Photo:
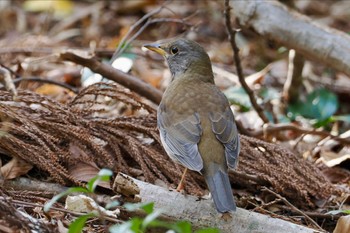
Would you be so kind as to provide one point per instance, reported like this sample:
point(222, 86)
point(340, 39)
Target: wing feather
point(224, 127)
point(180, 139)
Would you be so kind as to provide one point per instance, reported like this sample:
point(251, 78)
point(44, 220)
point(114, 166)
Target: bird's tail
point(221, 191)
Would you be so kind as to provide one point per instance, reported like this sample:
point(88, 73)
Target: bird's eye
point(174, 50)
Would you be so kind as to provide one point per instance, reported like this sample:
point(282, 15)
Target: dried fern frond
point(41, 131)
point(111, 127)
point(17, 220)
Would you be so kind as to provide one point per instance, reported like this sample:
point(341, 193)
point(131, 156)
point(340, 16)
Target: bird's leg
point(181, 185)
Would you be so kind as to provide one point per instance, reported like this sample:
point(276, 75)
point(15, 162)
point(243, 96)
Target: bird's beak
point(156, 48)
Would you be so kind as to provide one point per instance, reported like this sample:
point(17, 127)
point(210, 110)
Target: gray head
point(182, 54)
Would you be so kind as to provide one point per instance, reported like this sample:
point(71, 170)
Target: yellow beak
point(156, 48)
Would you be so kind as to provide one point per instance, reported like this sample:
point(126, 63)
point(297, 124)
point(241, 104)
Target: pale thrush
point(196, 124)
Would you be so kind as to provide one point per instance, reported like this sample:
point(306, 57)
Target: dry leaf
point(15, 168)
point(54, 91)
point(332, 159)
point(343, 225)
point(61, 8)
point(85, 204)
point(84, 171)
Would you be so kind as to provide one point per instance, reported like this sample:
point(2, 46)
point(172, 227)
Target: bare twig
point(132, 28)
point(134, 84)
point(46, 50)
point(312, 214)
point(294, 208)
point(72, 89)
point(148, 21)
point(271, 128)
point(124, 42)
point(231, 37)
point(74, 213)
point(263, 206)
point(268, 212)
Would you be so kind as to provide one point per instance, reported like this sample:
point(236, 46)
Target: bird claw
point(226, 216)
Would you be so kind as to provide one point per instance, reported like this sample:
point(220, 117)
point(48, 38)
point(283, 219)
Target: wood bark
point(274, 20)
point(202, 213)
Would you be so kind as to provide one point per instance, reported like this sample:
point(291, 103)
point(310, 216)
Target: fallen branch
point(274, 20)
point(203, 214)
point(107, 71)
point(186, 207)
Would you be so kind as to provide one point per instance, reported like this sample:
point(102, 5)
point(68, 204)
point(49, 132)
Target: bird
point(195, 121)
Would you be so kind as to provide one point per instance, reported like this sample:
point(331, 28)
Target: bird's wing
point(224, 127)
point(180, 139)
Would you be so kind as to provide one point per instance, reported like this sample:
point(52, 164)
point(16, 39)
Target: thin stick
point(287, 126)
point(293, 207)
point(263, 206)
point(142, 88)
point(74, 213)
point(313, 214)
point(72, 89)
point(231, 37)
point(119, 49)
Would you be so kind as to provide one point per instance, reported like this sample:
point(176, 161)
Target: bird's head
point(183, 56)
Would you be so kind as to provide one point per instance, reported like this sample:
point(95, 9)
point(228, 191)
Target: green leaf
point(79, 223)
point(346, 211)
point(237, 95)
point(127, 227)
point(103, 175)
point(182, 227)
point(323, 103)
point(269, 94)
point(335, 212)
point(321, 123)
point(159, 223)
point(49, 204)
point(150, 218)
point(320, 104)
point(112, 204)
point(147, 207)
point(208, 230)
point(345, 118)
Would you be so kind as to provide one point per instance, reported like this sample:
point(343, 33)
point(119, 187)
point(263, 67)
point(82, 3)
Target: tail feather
point(221, 191)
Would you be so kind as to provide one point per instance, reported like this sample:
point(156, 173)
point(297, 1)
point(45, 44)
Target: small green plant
point(135, 224)
point(138, 225)
point(78, 224)
point(335, 212)
point(320, 106)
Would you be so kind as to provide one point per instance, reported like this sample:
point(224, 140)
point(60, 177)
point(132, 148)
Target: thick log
point(274, 20)
point(202, 213)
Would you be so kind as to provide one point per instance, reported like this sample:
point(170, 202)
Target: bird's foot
point(181, 187)
point(226, 216)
